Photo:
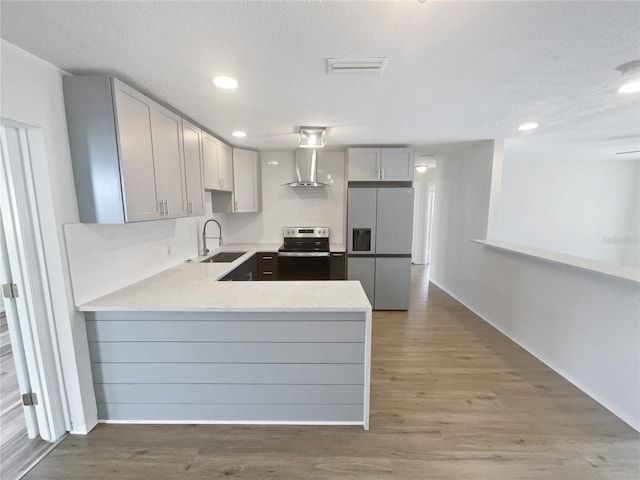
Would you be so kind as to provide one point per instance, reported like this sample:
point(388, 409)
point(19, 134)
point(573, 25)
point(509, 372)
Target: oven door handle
point(304, 254)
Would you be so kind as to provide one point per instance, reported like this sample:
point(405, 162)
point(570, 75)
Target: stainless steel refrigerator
point(379, 231)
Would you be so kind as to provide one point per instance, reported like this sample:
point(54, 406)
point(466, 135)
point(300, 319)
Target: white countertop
point(195, 287)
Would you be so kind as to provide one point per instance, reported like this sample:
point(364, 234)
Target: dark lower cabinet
point(264, 267)
point(267, 266)
point(246, 272)
point(338, 266)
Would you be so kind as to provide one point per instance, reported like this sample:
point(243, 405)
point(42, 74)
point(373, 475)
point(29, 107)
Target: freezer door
point(363, 270)
point(394, 229)
point(392, 283)
point(361, 220)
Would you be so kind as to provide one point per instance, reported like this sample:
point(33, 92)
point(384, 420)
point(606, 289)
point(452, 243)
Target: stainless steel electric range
point(305, 255)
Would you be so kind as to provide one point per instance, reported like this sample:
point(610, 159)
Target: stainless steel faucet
point(205, 250)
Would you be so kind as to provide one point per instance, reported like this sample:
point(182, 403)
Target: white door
point(19, 357)
point(30, 313)
point(417, 244)
point(431, 198)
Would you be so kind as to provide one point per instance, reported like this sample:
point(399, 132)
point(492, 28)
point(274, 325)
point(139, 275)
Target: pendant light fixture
point(312, 137)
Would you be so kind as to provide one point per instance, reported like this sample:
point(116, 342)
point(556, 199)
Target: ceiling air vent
point(356, 66)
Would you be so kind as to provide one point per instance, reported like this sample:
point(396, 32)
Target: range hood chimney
point(305, 169)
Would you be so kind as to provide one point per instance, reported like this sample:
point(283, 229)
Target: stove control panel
point(316, 232)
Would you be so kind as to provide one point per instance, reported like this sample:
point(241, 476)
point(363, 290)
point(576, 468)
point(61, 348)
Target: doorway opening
point(423, 210)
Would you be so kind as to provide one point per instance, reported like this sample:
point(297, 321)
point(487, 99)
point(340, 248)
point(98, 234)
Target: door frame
point(28, 268)
point(15, 336)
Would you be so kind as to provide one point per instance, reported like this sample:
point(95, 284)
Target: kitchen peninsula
point(183, 347)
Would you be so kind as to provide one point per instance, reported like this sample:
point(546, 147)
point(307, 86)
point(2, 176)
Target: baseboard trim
point(83, 428)
point(223, 422)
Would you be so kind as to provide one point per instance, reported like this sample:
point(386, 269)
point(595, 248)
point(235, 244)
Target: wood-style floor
point(17, 451)
point(451, 398)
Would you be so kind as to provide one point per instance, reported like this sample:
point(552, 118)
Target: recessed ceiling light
point(527, 126)
point(630, 87)
point(225, 82)
point(630, 77)
point(239, 134)
point(421, 168)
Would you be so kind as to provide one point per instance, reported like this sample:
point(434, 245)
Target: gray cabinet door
point(133, 117)
point(363, 270)
point(225, 167)
point(361, 214)
point(166, 129)
point(246, 181)
point(210, 161)
point(193, 171)
point(392, 283)
point(364, 164)
point(396, 164)
point(395, 221)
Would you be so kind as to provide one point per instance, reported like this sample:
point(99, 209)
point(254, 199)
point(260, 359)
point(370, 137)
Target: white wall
point(32, 94)
point(284, 206)
point(582, 324)
point(104, 258)
point(97, 258)
point(583, 207)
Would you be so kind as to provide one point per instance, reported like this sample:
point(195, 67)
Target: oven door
point(304, 265)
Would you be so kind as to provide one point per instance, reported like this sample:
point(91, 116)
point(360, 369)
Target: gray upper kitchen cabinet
point(225, 166)
point(133, 134)
point(168, 162)
point(246, 181)
point(396, 164)
point(126, 152)
point(193, 169)
point(364, 164)
point(217, 164)
point(210, 161)
point(373, 164)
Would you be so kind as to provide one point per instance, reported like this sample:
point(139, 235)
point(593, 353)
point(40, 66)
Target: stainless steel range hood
point(305, 169)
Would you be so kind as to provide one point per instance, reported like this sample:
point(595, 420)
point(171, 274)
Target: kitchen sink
point(223, 257)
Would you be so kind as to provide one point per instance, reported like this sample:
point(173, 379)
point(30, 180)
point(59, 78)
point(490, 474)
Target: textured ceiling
point(457, 71)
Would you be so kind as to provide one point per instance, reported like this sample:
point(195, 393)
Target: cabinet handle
point(189, 207)
point(379, 174)
point(336, 254)
point(382, 174)
point(267, 258)
point(235, 206)
point(166, 207)
point(161, 208)
point(267, 273)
